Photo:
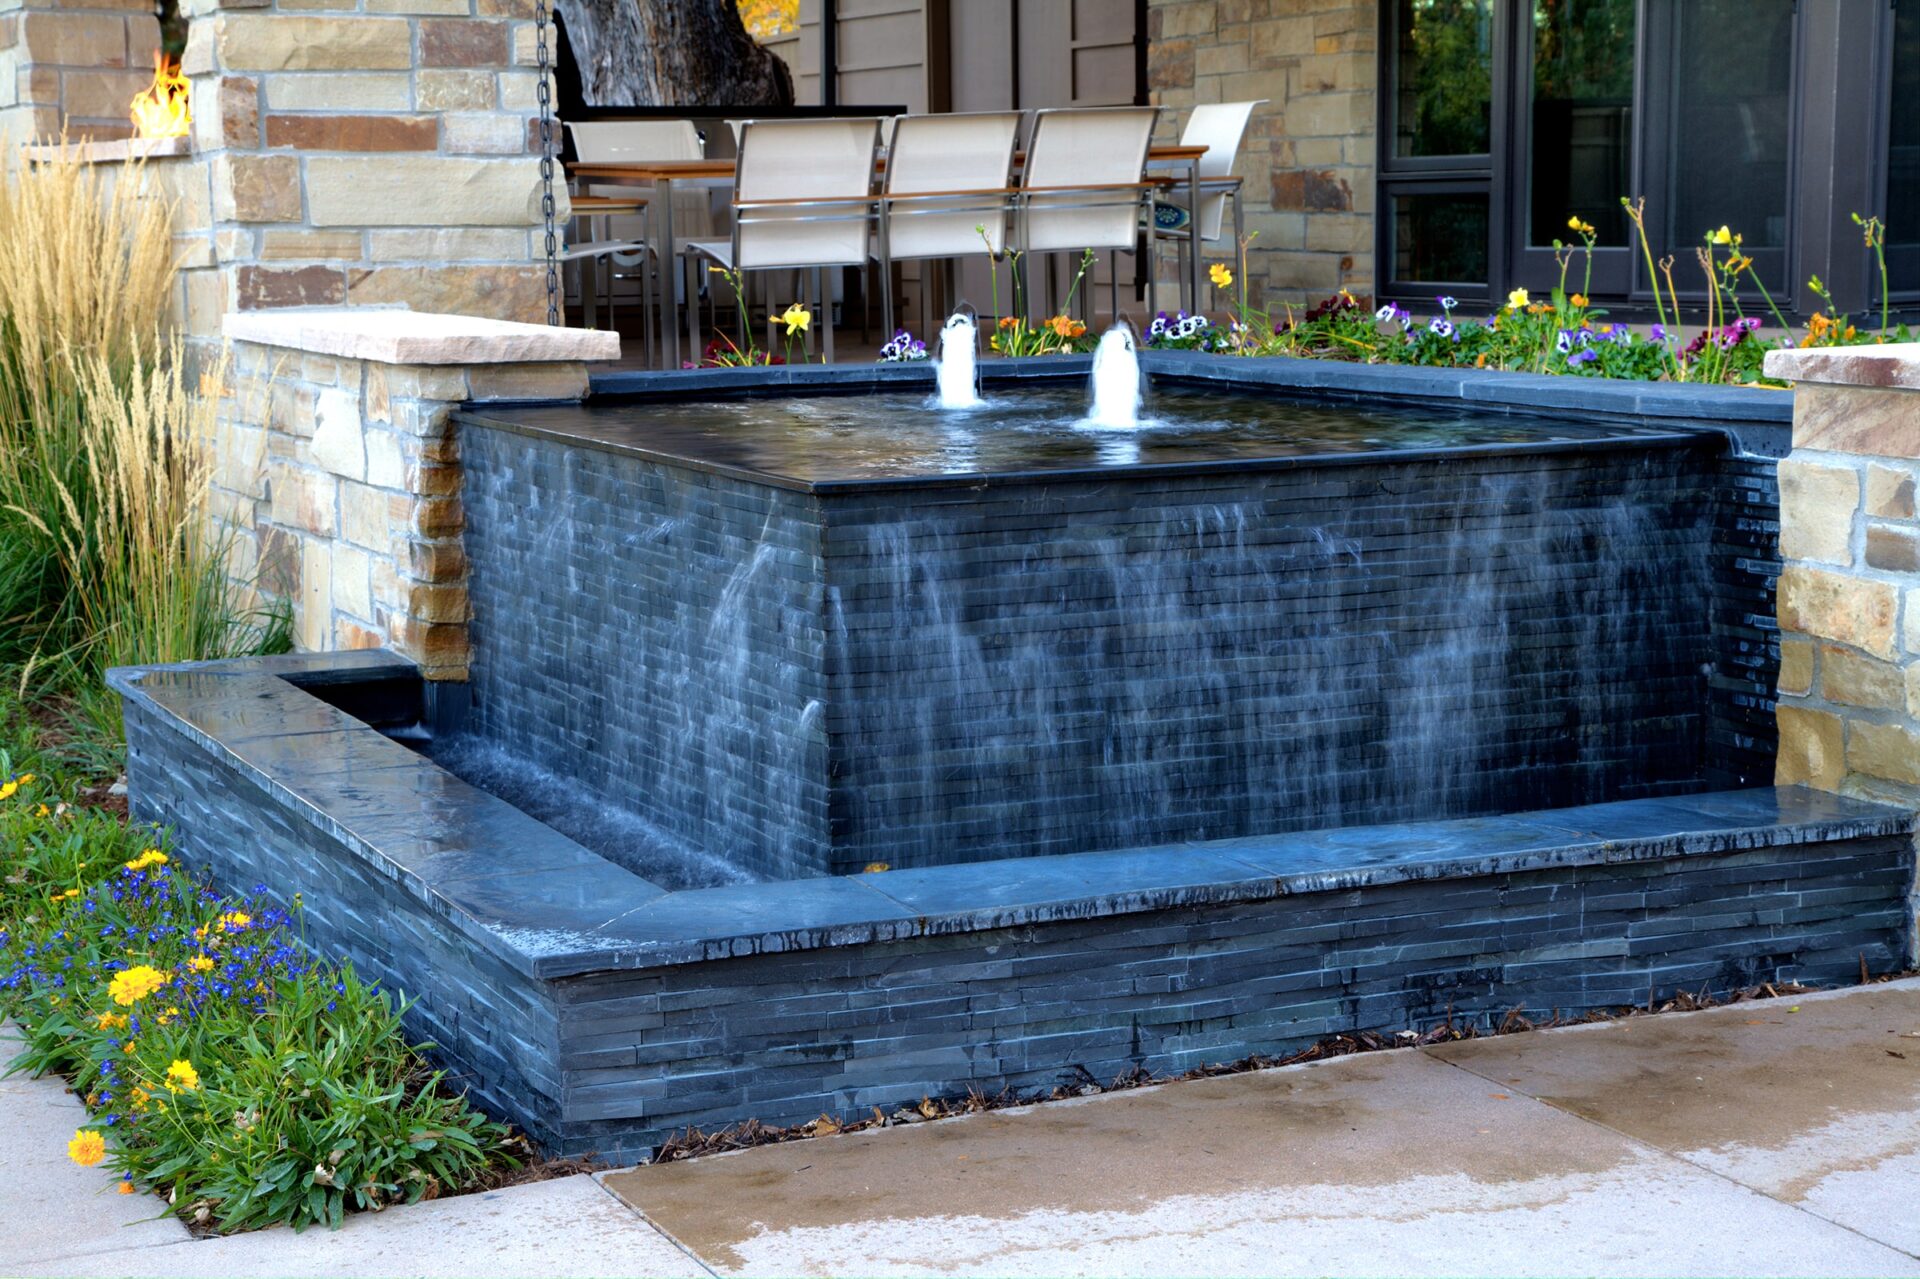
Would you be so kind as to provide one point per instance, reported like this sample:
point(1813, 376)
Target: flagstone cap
point(418, 337)
point(1895, 366)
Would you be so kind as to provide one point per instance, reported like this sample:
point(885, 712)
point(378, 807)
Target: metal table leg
point(669, 275)
point(1193, 230)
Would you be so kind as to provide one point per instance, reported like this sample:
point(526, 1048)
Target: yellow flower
point(200, 964)
point(1517, 299)
point(139, 1098)
point(71, 892)
point(1722, 236)
point(1581, 228)
point(152, 857)
point(1578, 299)
point(109, 1021)
point(235, 921)
point(182, 1077)
point(1220, 275)
point(132, 985)
point(87, 1148)
point(797, 319)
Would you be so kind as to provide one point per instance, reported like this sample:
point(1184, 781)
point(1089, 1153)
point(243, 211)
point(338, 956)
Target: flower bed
point(228, 1068)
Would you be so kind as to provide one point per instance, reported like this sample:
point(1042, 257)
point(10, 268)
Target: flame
point(160, 110)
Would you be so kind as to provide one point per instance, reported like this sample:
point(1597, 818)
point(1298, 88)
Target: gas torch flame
point(160, 110)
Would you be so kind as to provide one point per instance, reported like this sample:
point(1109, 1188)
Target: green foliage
point(228, 1068)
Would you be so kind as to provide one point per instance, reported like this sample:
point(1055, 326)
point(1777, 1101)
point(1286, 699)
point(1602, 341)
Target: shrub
point(228, 1068)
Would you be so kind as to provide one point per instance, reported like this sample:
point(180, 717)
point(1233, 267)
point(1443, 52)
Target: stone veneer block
point(1852, 570)
point(415, 337)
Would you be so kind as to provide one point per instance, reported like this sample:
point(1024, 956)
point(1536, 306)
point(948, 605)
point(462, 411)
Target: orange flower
point(1008, 321)
point(1578, 299)
point(1061, 325)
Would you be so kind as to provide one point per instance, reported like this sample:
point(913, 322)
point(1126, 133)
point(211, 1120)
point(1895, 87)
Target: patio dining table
point(660, 175)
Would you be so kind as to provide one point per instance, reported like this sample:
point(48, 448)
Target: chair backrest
point(1085, 147)
point(623, 141)
point(964, 151)
point(828, 163)
point(1219, 127)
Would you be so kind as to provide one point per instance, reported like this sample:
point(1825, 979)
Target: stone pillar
point(74, 65)
point(379, 154)
point(1849, 593)
point(339, 462)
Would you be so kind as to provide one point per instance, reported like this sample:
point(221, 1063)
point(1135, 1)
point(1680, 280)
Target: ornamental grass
point(228, 1069)
point(108, 550)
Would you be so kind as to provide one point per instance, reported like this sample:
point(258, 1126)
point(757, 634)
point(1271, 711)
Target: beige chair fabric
point(961, 152)
point(803, 198)
point(1220, 127)
point(1100, 155)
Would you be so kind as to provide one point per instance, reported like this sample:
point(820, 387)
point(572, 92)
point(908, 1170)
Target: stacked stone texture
point(368, 153)
point(74, 65)
point(340, 479)
point(1849, 596)
point(1308, 161)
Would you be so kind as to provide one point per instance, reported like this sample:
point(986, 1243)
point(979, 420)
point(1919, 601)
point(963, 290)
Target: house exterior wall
point(1308, 162)
point(74, 65)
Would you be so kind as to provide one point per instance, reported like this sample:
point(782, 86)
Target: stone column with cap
point(1849, 593)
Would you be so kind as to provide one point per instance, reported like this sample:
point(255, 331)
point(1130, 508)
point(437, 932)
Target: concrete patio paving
point(1780, 1137)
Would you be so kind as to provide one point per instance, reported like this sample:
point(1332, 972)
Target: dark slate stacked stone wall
point(654, 633)
point(920, 676)
point(612, 1059)
point(1741, 736)
point(1077, 665)
point(785, 1038)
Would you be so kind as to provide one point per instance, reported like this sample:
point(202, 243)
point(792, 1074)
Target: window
point(1437, 169)
point(1500, 120)
point(1903, 154)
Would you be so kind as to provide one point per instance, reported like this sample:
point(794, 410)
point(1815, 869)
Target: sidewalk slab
point(561, 1228)
point(49, 1205)
point(1814, 1101)
point(1383, 1163)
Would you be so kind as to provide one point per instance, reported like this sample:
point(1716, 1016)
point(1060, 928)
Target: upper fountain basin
point(889, 436)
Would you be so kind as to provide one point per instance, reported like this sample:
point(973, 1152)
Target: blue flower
point(1564, 342)
point(1447, 303)
point(1442, 328)
point(1585, 356)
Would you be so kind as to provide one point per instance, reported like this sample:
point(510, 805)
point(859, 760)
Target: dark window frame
point(1839, 126)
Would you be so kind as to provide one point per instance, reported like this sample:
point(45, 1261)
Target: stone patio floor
point(1780, 1137)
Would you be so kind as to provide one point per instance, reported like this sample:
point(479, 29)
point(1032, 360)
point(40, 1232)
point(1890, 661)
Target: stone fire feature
point(337, 462)
point(1849, 596)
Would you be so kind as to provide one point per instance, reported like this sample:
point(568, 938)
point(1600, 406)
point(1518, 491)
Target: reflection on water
point(906, 434)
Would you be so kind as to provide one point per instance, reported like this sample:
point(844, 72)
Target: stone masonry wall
point(339, 477)
point(74, 65)
point(1308, 162)
point(368, 153)
point(1849, 593)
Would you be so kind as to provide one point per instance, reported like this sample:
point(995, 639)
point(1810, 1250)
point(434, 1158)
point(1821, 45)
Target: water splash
point(1116, 379)
point(956, 371)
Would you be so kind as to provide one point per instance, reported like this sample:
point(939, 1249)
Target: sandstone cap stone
point(418, 337)
point(1895, 365)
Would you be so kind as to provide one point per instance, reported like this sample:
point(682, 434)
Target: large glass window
point(1903, 152)
point(1443, 102)
point(1730, 85)
point(1580, 143)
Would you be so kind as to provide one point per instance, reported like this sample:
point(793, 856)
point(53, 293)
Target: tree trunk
point(670, 53)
